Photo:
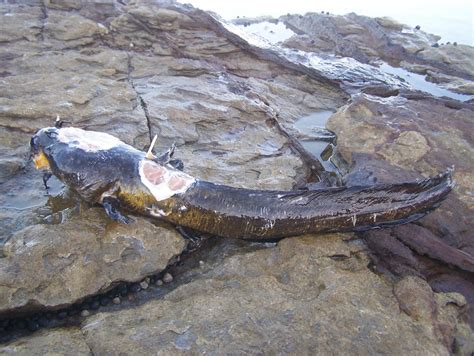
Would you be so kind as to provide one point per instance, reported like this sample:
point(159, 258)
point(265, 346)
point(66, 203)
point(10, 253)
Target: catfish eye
point(52, 134)
point(34, 143)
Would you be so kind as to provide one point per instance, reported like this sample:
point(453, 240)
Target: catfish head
point(89, 162)
point(100, 166)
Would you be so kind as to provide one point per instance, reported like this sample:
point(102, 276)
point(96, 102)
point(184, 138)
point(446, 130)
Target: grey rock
point(167, 278)
point(293, 298)
point(368, 40)
point(60, 342)
point(57, 265)
point(136, 69)
point(418, 136)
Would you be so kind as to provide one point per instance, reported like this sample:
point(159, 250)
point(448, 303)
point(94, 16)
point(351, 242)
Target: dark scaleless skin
point(235, 212)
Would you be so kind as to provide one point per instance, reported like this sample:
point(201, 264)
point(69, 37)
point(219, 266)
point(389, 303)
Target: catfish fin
point(111, 205)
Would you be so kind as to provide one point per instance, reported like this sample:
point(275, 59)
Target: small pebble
point(104, 301)
point(159, 282)
point(143, 285)
point(201, 263)
point(417, 27)
point(455, 43)
point(116, 300)
point(85, 313)
point(167, 278)
point(131, 297)
point(147, 279)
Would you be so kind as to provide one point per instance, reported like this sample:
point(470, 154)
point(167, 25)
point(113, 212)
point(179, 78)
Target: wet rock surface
point(50, 266)
point(299, 296)
point(139, 69)
point(59, 342)
point(422, 136)
point(370, 40)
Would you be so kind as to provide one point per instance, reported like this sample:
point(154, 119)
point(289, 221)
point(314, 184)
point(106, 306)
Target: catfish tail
point(271, 214)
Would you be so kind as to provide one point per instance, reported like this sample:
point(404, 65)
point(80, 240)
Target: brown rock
point(420, 137)
point(59, 342)
point(367, 39)
point(379, 128)
point(291, 298)
point(67, 27)
point(18, 24)
point(63, 4)
point(409, 147)
point(176, 72)
point(57, 265)
point(416, 298)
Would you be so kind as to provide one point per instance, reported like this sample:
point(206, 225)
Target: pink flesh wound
point(154, 173)
point(176, 182)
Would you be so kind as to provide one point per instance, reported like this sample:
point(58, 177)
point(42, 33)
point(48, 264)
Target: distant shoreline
point(452, 21)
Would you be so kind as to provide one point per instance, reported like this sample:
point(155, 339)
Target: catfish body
point(103, 169)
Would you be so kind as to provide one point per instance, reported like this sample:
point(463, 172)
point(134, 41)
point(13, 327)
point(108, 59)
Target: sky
point(453, 20)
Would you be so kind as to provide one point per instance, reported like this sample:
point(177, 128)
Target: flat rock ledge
point(51, 266)
point(307, 295)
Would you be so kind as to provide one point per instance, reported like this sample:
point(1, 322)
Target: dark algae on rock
point(245, 115)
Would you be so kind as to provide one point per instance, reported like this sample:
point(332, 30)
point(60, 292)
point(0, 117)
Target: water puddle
point(272, 32)
point(352, 73)
point(418, 82)
point(316, 139)
point(313, 122)
point(346, 70)
point(24, 201)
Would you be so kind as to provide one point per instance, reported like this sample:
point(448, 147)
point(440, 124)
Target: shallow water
point(313, 121)
point(418, 82)
point(348, 70)
point(273, 33)
point(317, 148)
point(452, 20)
point(24, 202)
point(315, 139)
